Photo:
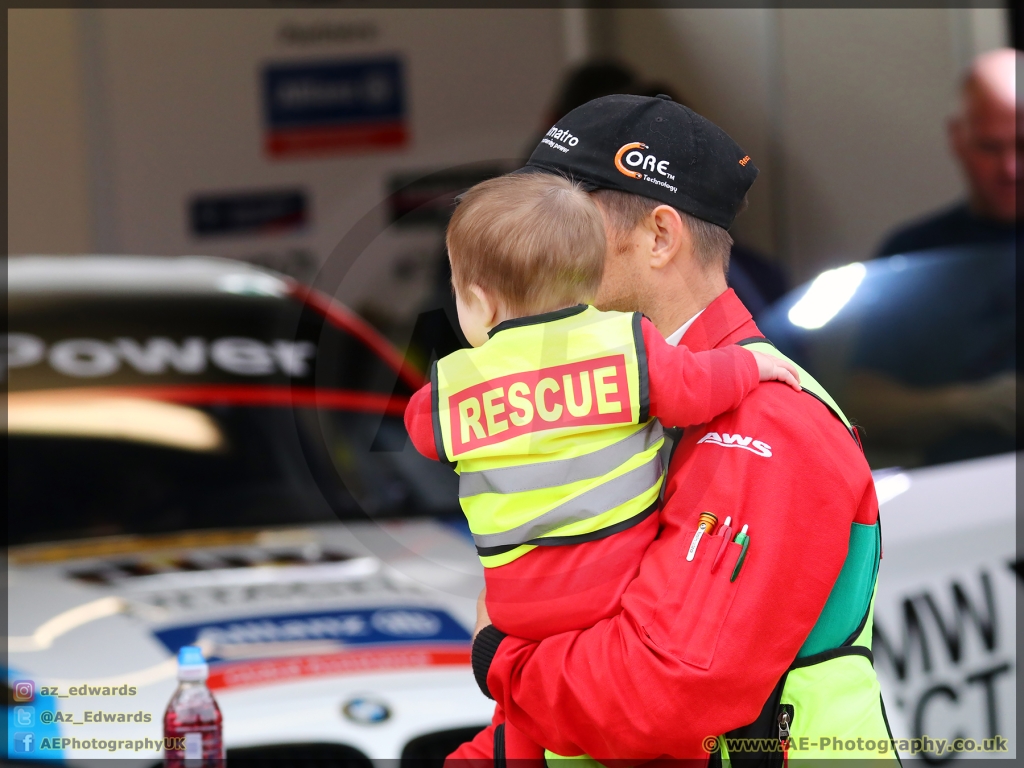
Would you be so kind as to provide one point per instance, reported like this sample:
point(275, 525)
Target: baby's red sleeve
point(419, 424)
point(688, 388)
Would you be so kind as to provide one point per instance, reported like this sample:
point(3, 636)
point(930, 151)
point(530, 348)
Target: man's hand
point(991, 403)
point(482, 619)
point(772, 368)
point(904, 415)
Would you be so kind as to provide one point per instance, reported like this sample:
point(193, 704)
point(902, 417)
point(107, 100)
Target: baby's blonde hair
point(534, 240)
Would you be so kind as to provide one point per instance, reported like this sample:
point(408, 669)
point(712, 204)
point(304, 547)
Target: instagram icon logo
point(24, 690)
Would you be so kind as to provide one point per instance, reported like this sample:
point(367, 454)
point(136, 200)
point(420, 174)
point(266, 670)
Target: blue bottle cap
point(190, 655)
point(191, 664)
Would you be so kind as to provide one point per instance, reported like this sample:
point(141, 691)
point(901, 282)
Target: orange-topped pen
point(705, 525)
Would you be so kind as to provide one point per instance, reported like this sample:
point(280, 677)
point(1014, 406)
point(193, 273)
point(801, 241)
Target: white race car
point(201, 452)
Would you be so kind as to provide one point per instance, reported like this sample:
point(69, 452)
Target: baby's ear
point(488, 305)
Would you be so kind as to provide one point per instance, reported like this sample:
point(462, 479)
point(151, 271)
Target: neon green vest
point(547, 425)
point(828, 703)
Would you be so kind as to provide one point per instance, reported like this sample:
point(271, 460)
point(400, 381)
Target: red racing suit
point(560, 588)
point(621, 689)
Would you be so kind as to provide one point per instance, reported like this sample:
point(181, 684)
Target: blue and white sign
point(327, 107)
point(275, 635)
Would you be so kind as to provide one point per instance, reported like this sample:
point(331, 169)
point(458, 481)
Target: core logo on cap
point(632, 156)
point(635, 156)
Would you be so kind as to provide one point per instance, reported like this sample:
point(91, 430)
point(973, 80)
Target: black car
point(918, 349)
point(149, 395)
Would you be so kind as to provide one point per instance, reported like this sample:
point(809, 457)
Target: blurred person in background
point(987, 139)
point(898, 399)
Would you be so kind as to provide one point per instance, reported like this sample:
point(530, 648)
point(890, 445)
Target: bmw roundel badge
point(366, 711)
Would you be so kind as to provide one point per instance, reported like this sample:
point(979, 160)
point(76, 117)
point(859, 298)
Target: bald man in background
point(986, 138)
point(922, 409)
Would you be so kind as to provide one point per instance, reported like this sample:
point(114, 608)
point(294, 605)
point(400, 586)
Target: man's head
point(658, 255)
point(521, 245)
point(986, 133)
point(669, 184)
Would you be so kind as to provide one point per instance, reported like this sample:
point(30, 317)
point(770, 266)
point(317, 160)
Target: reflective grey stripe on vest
point(596, 501)
point(551, 474)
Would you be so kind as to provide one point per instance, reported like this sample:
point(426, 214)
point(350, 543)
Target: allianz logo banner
point(324, 631)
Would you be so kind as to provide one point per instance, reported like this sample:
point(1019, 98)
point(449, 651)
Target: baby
point(554, 419)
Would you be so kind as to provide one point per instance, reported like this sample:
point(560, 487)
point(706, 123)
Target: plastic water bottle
point(193, 716)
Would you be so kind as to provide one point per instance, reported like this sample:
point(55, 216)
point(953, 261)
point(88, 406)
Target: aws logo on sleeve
point(737, 441)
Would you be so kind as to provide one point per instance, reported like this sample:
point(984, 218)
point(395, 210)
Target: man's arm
point(685, 660)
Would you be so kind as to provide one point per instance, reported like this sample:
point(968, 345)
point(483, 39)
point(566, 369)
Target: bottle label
point(193, 746)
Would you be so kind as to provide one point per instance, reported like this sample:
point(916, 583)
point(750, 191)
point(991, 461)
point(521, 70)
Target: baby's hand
point(773, 368)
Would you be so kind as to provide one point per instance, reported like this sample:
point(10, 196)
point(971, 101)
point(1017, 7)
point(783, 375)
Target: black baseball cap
point(649, 146)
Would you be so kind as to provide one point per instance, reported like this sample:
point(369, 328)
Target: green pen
point(744, 541)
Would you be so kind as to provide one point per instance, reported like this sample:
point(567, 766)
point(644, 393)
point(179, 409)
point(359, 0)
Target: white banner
point(945, 616)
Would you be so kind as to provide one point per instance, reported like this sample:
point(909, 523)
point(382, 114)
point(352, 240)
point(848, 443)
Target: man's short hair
point(536, 241)
point(711, 243)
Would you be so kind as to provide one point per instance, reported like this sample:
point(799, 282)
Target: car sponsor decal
point(283, 595)
point(91, 358)
point(327, 630)
point(31, 554)
point(264, 649)
point(120, 570)
point(267, 671)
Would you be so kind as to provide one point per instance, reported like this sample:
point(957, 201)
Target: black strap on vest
point(766, 726)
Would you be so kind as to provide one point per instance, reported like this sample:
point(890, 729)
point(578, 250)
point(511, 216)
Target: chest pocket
point(696, 602)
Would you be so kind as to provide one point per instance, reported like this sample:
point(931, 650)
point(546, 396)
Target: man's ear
point(671, 236)
point(489, 308)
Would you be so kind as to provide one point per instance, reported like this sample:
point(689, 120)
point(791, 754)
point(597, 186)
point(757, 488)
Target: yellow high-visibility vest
point(547, 425)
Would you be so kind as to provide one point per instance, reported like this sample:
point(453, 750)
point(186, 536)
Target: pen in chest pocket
point(706, 523)
point(744, 541)
point(723, 545)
